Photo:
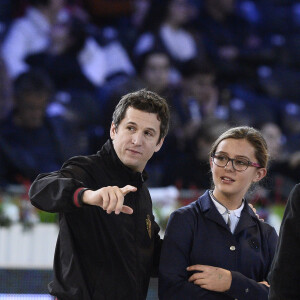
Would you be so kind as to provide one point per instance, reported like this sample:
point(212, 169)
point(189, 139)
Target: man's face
point(136, 138)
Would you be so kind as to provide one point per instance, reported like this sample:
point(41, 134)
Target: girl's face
point(227, 181)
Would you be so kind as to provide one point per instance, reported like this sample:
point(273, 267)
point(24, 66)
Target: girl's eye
point(241, 162)
point(221, 157)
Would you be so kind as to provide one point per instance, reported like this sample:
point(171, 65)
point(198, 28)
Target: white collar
point(223, 210)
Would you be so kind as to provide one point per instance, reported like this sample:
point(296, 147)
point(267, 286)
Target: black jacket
point(284, 275)
point(99, 255)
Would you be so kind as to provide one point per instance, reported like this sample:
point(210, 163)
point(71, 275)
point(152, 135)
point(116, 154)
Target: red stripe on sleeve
point(75, 197)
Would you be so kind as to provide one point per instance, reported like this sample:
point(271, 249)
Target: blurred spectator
point(73, 59)
point(154, 69)
point(274, 138)
point(117, 60)
point(234, 47)
point(281, 82)
point(79, 57)
point(29, 34)
point(140, 9)
point(290, 124)
point(31, 142)
point(5, 16)
point(104, 12)
point(165, 28)
point(197, 99)
point(191, 171)
point(284, 169)
point(5, 91)
point(248, 107)
point(128, 23)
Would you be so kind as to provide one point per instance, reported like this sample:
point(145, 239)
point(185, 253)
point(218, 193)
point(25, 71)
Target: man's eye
point(130, 128)
point(148, 133)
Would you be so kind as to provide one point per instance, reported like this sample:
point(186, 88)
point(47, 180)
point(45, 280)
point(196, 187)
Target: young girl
point(216, 247)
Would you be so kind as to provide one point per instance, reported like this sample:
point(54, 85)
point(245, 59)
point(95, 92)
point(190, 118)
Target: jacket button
point(232, 248)
point(246, 290)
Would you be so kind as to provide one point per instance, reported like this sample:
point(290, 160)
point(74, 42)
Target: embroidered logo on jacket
point(148, 225)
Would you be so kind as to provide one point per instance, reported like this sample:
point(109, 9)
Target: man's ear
point(158, 146)
point(113, 130)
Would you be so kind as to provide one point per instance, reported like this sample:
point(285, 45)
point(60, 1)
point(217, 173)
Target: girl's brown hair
point(253, 136)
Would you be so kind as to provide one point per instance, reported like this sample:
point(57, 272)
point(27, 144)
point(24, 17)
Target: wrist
point(229, 280)
point(78, 196)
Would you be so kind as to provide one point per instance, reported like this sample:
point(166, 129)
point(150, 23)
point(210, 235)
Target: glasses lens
point(240, 164)
point(220, 160)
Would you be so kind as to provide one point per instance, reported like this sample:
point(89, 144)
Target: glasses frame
point(250, 163)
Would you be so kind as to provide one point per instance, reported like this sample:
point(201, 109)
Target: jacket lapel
point(210, 211)
point(247, 218)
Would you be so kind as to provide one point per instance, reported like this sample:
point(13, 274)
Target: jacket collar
point(112, 159)
point(247, 219)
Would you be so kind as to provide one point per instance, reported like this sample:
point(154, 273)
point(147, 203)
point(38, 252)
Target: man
point(108, 245)
point(284, 279)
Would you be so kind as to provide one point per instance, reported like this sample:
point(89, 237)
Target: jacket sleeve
point(53, 192)
point(283, 277)
point(173, 276)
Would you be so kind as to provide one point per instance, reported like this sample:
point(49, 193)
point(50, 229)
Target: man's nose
point(137, 138)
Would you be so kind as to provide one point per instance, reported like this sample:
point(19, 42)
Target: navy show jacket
point(198, 234)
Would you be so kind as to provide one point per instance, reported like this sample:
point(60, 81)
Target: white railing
point(32, 248)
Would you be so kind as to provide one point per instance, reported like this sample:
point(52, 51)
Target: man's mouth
point(134, 151)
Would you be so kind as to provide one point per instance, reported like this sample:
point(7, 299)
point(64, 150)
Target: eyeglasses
point(239, 164)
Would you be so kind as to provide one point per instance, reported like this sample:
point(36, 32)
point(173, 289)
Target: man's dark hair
point(32, 82)
point(146, 101)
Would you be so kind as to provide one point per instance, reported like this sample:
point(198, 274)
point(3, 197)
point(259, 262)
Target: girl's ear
point(211, 162)
point(260, 174)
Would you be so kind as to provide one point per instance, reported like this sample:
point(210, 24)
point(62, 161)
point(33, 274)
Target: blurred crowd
point(64, 64)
